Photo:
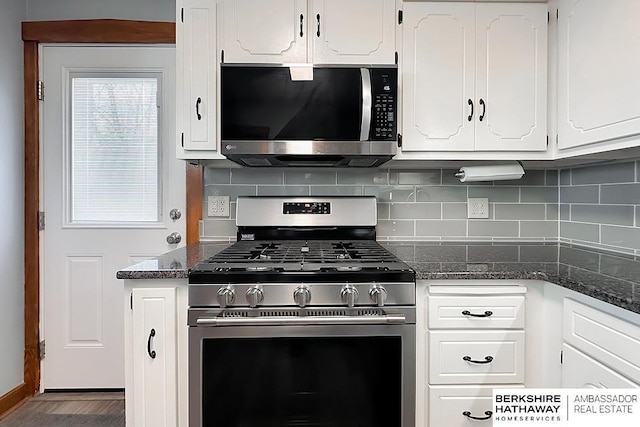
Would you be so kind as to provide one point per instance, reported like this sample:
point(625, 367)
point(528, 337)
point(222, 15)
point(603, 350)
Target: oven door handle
point(392, 319)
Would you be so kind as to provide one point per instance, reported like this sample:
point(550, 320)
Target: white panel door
point(511, 77)
point(155, 398)
point(353, 31)
point(581, 371)
point(109, 180)
point(273, 31)
point(598, 69)
point(438, 77)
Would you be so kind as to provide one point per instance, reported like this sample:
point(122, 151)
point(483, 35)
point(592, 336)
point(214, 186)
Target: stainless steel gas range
point(305, 321)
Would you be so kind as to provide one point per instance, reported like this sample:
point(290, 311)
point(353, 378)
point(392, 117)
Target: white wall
point(142, 10)
point(11, 195)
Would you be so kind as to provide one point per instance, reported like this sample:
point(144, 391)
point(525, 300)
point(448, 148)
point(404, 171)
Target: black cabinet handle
point(484, 109)
point(486, 314)
point(152, 353)
point(198, 102)
point(470, 102)
point(487, 413)
point(301, 25)
point(487, 359)
point(318, 18)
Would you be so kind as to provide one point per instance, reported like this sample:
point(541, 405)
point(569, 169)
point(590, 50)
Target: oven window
point(319, 382)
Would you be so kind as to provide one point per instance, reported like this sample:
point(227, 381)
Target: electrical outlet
point(478, 207)
point(218, 206)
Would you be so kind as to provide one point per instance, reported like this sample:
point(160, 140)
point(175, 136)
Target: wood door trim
point(85, 31)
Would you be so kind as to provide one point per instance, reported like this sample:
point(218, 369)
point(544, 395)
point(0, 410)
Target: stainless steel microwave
point(334, 116)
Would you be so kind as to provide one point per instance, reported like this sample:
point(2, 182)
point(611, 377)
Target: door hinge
point(557, 14)
point(222, 56)
point(399, 140)
point(396, 58)
point(547, 140)
point(41, 349)
point(131, 300)
point(182, 15)
point(40, 220)
point(400, 17)
point(548, 16)
point(40, 90)
point(182, 139)
point(556, 139)
point(561, 356)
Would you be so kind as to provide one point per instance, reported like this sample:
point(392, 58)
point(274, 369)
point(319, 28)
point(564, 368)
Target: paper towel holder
point(495, 172)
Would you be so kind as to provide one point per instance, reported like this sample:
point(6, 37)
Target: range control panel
point(385, 90)
point(318, 208)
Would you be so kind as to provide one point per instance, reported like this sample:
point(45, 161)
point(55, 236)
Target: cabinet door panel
point(511, 76)
point(581, 371)
point(265, 31)
point(598, 69)
point(197, 75)
point(154, 360)
point(353, 31)
point(438, 76)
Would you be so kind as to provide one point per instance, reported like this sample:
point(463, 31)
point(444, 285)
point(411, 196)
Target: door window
point(114, 149)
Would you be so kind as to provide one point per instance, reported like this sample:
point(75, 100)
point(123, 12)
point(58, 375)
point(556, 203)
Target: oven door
point(337, 375)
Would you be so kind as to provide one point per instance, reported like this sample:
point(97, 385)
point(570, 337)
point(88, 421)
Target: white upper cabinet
point(265, 31)
point(474, 77)
point(309, 31)
point(197, 78)
point(599, 65)
point(353, 31)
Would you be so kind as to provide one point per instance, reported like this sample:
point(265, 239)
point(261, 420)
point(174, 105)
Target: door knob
point(175, 214)
point(174, 238)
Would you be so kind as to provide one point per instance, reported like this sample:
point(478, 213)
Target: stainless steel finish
point(406, 331)
point(304, 147)
point(378, 295)
point(345, 211)
point(365, 125)
point(255, 296)
point(174, 238)
point(175, 214)
point(302, 295)
point(226, 296)
point(349, 295)
point(301, 321)
point(324, 294)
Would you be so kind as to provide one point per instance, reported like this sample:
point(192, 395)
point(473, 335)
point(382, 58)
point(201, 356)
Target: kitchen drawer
point(476, 312)
point(608, 339)
point(447, 405)
point(448, 349)
point(582, 371)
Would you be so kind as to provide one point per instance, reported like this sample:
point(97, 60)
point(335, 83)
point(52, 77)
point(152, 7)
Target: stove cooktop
point(302, 260)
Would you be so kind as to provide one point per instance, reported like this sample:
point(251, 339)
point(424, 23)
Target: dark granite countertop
point(608, 276)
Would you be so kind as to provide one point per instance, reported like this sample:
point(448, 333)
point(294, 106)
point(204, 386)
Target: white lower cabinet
point(461, 406)
point(471, 339)
point(155, 364)
point(599, 349)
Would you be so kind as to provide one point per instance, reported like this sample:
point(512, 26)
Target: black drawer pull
point(487, 359)
point(484, 109)
point(152, 353)
point(470, 116)
point(486, 314)
point(301, 25)
point(487, 413)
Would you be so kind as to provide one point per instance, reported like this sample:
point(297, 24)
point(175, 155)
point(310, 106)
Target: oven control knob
point(349, 295)
point(378, 295)
point(302, 295)
point(226, 296)
point(254, 296)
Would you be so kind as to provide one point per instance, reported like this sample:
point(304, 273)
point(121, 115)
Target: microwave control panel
point(384, 82)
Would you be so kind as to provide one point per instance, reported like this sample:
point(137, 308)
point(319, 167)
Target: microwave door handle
point(366, 104)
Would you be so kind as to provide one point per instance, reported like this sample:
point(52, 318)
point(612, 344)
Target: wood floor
point(98, 409)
